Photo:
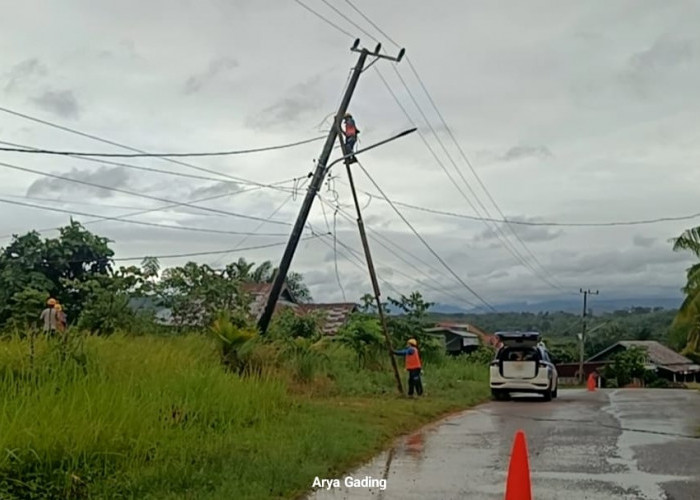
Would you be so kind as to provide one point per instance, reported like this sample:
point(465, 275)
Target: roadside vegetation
point(124, 407)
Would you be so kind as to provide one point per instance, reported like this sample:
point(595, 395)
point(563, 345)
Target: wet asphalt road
point(608, 444)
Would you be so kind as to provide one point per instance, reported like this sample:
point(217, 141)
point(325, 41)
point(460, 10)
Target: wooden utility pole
point(585, 293)
point(316, 183)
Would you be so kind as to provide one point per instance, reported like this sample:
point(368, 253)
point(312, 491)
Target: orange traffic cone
point(591, 382)
point(518, 485)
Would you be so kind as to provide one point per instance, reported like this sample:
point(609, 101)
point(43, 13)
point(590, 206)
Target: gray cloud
point(60, 102)
point(215, 189)
point(528, 234)
point(216, 67)
point(117, 177)
point(552, 125)
point(24, 71)
point(524, 152)
point(643, 241)
point(665, 54)
point(299, 100)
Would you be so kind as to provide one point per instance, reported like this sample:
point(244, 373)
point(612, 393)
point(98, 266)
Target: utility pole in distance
point(585, 293)
point(316, 182)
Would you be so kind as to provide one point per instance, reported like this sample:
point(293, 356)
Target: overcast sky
point(568, 111)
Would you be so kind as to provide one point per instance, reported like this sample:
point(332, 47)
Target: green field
point(157, 417)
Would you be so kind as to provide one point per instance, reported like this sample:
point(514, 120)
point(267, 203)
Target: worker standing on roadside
point(413, 365)
point(49, 317)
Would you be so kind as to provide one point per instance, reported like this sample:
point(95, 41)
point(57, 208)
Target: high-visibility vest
point(413, 360)
point(350, 127)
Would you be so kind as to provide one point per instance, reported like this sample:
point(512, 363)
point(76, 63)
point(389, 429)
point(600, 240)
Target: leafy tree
point(363, 334)
point(195, 293)
point(411, 323)
point(50, 265)
point(627, 365)
point(289, 324)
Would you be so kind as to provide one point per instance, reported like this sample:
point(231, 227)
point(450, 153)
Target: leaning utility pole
point(372, 273)
point(316, 182)
point(585, 293)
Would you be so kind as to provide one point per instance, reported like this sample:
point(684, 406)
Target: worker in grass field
point(49, 317)
point(61, 319)
point(413, 365)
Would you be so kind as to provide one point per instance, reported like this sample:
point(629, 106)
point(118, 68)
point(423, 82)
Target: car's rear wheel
point(548, 394)
point(499, 394)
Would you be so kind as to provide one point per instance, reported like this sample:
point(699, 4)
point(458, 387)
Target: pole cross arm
point(376, 53)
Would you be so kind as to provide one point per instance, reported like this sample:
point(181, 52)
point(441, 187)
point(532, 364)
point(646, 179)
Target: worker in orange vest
point(350, 134)
point(413, 365)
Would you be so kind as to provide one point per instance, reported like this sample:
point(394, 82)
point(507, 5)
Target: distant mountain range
point(572, 305)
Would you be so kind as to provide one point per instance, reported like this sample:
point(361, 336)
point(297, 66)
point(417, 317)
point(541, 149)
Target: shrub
point(234, 336)
point(482, 356)
point(363, 334)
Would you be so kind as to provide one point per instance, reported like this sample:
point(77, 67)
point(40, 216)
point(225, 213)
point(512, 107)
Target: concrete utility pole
point(585, 293)
point(316, 182)
point(372, 272)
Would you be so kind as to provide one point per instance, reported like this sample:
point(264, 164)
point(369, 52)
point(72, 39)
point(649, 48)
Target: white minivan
point(522, 364)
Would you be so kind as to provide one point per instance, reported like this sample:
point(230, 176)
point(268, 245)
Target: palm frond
point(688, 240)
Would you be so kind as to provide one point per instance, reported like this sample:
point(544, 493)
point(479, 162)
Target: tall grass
point(156, 417)
point(140, 404)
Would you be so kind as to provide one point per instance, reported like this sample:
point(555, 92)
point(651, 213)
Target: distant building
point(457, 340)
point(334, 315)
point(666, 362)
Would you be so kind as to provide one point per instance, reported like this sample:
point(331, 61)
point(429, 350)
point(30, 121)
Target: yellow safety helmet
point(412, 342)
point(51, 302)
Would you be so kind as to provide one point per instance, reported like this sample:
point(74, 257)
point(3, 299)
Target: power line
point(138, 167)
point(498, 231)
point(140, 195)
point(334, 231)
point(213, 252)
point(534, 223)
point(123, 146)
point(362, 30)
point(141, 223)
point(324, 19)
point(156, 209)
point(160, 155)
point(373, 25)
point(274, 212)
point(476, 176)
point(505, 240)
point(427, 245)
point(396, 252)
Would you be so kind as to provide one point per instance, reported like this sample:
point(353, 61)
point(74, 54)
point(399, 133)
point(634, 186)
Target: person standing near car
point(413, 366)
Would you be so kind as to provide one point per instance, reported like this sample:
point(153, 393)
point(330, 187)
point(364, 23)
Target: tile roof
point(658, 354)
point(336, 315)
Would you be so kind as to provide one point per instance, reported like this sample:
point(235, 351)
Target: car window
point(518, 354)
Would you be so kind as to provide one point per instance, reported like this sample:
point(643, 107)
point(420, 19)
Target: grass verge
point(159, 418)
